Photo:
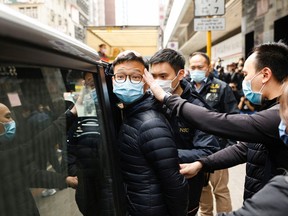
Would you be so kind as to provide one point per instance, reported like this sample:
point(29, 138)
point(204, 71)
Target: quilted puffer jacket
point(149, 162)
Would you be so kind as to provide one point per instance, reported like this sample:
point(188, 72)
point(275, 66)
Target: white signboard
point(209, 24)
point(209, 7)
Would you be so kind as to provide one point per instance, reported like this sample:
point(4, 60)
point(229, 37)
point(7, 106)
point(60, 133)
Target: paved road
point(60, 204)
point(236, 185)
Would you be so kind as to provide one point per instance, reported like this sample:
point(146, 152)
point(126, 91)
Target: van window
point(46, 149)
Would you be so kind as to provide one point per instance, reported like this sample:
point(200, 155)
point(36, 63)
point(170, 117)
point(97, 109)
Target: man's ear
point(266, 74)
point(181, 74)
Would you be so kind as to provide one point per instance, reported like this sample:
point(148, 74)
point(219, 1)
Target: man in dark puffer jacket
point(149, 158)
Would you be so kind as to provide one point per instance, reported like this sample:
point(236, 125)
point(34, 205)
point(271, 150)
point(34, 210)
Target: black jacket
point(219, 96)
point(19, 173)
point(260, 128)
point(84, 150)
point(149, 162)
point(83, 144)
point(192, 143)
point(271, 200)
point(260, 167)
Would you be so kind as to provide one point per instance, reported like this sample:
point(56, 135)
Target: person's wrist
point(167, 95)
point(199, 165)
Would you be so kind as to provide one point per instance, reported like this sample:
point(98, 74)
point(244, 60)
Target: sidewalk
point(236, 185)
point(62, 203)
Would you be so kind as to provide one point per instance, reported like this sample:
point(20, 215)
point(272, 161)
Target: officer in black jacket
point(167, 67)
point(221, 98)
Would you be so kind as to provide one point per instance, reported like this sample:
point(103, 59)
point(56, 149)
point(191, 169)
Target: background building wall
point(259, 18)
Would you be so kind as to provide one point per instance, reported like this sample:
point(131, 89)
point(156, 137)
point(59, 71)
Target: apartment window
point(59, 20)
point(52, 16)
point(29, 11)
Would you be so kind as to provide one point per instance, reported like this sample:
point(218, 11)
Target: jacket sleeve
point(259, 127)
point(225, 158)
point(203, 145)
point(45, 179)
point(159, 149)
point(270, 200)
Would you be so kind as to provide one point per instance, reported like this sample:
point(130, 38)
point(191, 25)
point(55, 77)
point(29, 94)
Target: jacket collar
point(146, 102)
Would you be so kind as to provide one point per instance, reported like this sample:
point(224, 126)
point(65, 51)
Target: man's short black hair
point(174, 58)
point(101, 45)
point(273, 55)
point(129, 55)
point(202, 54)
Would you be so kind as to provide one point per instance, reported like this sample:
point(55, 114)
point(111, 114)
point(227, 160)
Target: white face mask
point(166, 85)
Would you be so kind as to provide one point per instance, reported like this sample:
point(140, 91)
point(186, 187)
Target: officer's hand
point(189, 170)
point(72, 181)
point(157, 91)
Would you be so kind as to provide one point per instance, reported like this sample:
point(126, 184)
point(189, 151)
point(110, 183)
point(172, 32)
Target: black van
point(42, 74)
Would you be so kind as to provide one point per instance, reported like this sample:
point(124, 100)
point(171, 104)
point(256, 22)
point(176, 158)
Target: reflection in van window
point(52, 161)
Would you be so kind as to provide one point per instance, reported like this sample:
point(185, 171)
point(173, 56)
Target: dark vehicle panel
point(42, 74)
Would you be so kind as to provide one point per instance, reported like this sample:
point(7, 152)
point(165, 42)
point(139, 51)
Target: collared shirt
point(202, 85)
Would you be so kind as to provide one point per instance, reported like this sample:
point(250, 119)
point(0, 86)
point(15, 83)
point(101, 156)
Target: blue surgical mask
point(128, 92)
point(282, 132)
point(94, 95)
point(253, 97)
point(10, 131)
point(197, 75)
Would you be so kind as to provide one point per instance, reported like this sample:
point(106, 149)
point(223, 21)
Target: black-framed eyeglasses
point(134, 78)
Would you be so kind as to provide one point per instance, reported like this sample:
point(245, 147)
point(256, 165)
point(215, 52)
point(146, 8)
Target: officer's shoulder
point(218, 81)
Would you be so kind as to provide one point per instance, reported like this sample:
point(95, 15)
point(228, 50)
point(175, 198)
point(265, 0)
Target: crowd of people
point(257, 136)
point(233, 75)
point(263, 150)
point(179, 135)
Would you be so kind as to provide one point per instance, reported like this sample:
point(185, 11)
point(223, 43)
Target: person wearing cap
point(148, 155)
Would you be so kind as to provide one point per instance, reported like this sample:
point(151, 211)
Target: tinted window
point(46, 149)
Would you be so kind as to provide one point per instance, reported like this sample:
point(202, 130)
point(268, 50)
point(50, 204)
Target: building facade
point(67, 16)
point(247, 23)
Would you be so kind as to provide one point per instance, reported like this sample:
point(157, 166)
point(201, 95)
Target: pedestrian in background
point(102, 52)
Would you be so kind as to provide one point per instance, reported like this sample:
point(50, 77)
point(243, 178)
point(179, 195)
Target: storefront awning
point(143, 39)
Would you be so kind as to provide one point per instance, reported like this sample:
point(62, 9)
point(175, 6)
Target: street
point(63, 202)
